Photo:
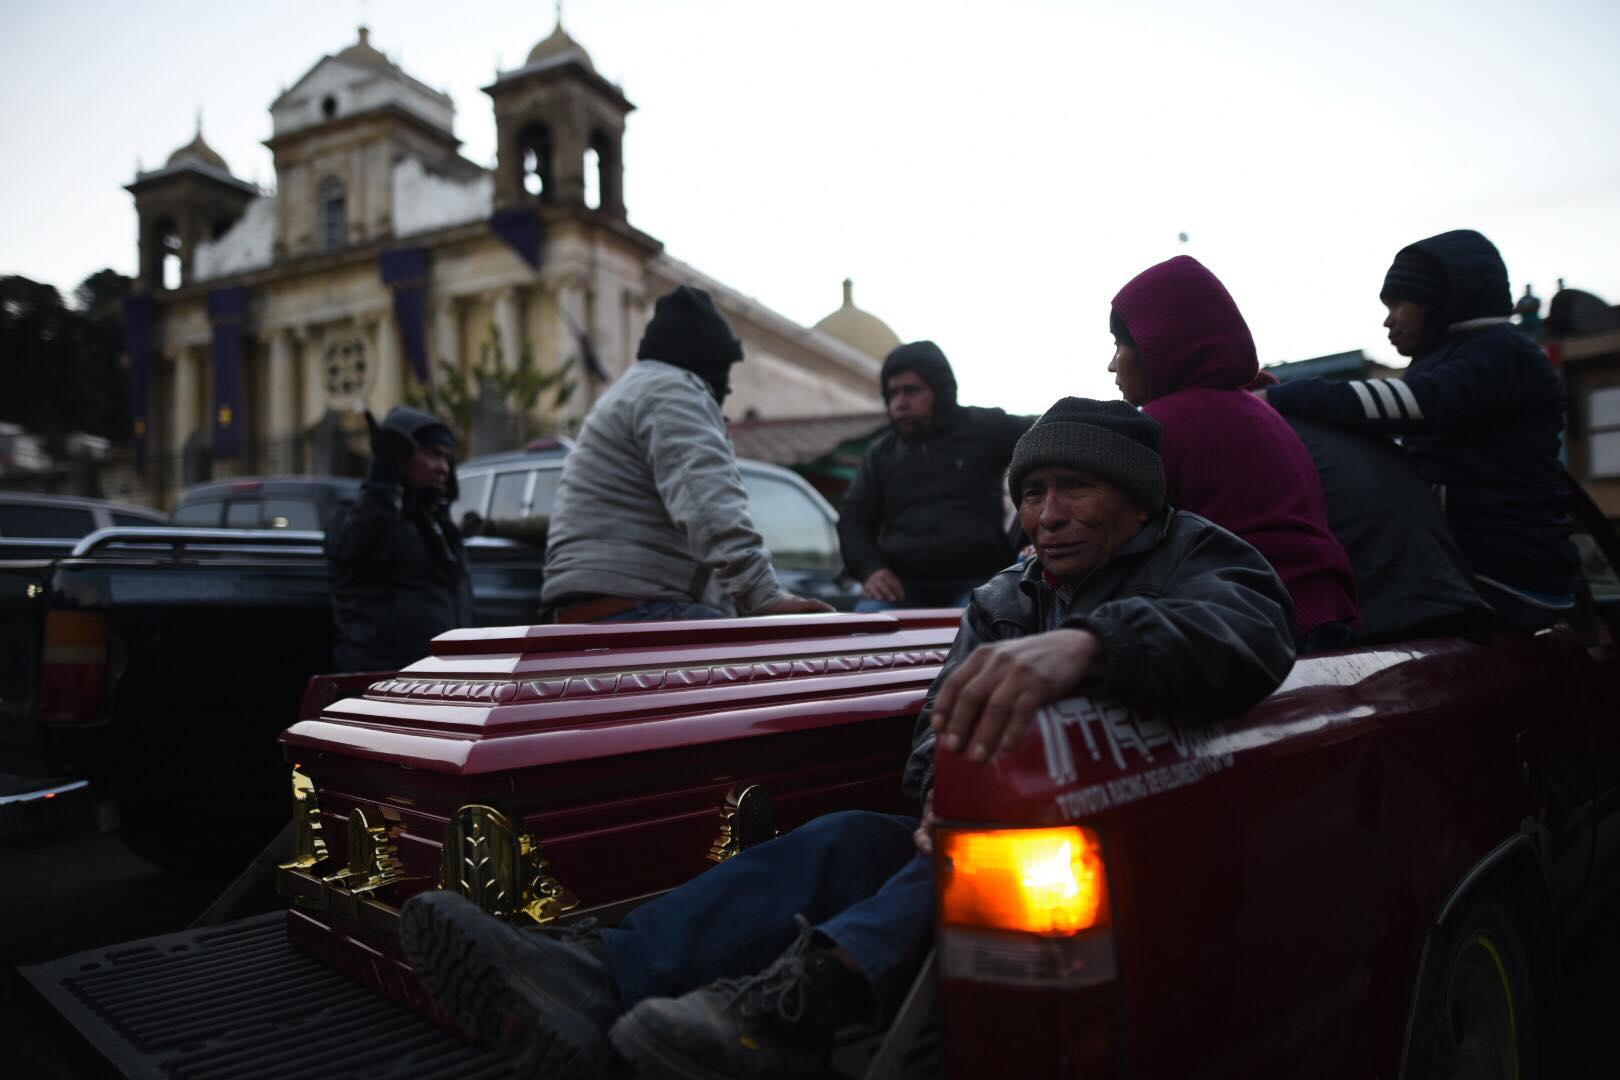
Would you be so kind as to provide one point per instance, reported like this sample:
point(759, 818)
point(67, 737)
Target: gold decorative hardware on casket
point(746, 818)
point(373, 858)
point(308, 845)
point(502, 870)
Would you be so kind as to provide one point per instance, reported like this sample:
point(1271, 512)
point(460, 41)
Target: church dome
point(199, 151)
point(559, 46)
point(859, 329)
point(365, 54)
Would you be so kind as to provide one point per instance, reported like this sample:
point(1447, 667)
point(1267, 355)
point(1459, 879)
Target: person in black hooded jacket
point(1479, 412)
point(398, 569)
point(924, 520)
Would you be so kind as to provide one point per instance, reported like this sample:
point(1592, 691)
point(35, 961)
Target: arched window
point(334, 213)
point(593, 179)
point(534, 143)
point(170, 265)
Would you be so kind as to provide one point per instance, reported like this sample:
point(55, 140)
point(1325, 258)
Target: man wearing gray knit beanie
point(1126, 598)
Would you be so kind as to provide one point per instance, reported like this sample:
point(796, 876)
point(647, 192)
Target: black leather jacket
point(1192, 620)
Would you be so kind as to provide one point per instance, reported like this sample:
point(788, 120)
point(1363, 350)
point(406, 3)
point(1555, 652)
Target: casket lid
point(490, 700)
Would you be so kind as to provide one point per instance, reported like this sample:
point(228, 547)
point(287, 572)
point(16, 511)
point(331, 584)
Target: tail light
point(73, 669)
point(1025, 907)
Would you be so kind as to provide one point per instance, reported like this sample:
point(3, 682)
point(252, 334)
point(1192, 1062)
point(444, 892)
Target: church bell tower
point(559, 131)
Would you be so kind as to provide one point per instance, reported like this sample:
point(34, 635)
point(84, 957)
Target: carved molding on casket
point(610, 683)
point(491, 862)
point(746, 818)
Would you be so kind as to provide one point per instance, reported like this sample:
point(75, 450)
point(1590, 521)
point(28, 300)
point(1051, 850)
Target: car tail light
point(73, 669)
point(1024, 906)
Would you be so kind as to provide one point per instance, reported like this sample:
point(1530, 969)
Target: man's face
point(1078, 521)
point(1405, 325)
point(911, 404)
point(1128, 374)
point(429, 468)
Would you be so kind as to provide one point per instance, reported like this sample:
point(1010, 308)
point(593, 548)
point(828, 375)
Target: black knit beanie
point(928, 361)
point(1415, 275)
point(1109, 439)
point(688, 331)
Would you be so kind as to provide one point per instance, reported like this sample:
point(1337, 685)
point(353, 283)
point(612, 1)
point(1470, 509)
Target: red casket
point(559, 770)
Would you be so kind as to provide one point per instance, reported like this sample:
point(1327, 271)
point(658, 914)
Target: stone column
point(183, 411)
point(281, 404)
point(446, 337)
point(314, 397)
point(573, 310)
point(388, 385)
point(506, 320)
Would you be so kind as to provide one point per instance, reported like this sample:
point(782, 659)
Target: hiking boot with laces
point(777, 1023)
point(546, 995)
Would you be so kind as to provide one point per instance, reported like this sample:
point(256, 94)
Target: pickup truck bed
point(239, 1001)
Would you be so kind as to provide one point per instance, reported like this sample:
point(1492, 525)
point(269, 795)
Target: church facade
point(385, 264)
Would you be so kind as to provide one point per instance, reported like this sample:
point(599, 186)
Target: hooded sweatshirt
point(1479, 410)
point(398, 570)
point(1227, 456)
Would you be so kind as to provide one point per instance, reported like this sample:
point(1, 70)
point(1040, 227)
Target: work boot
point(546, 995)
point(777, 1023)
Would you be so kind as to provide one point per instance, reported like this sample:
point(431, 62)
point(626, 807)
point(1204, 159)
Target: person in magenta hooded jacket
point(1186, 357)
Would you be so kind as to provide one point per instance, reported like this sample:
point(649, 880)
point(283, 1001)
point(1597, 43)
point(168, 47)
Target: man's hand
point(391, 450)
point(884, 585)
point(988, 703)
point(924, 836)
point(799, 605)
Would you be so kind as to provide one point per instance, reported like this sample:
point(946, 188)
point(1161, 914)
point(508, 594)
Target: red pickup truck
point(1372, 873)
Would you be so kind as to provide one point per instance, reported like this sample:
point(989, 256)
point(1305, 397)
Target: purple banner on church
point(140, 320)
point(226, 311)
point(520, 228)
point(405, 272)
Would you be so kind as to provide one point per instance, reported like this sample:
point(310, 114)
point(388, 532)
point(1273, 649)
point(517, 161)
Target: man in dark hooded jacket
point(398, 571)
point(924, 521)
point(1479, 411)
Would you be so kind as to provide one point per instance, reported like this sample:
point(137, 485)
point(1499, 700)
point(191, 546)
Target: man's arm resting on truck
point(1218, 640)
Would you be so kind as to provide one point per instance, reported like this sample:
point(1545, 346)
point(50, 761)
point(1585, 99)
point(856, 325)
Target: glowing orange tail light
point(1040, 881)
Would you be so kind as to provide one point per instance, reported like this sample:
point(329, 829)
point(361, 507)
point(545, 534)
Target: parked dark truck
point(1372, 873)
point(159, 664)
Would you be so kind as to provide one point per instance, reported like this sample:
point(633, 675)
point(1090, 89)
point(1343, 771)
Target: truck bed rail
point(233, 541)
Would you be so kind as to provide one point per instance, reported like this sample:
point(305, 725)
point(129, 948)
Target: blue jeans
point(664, 610)
point(857, 876)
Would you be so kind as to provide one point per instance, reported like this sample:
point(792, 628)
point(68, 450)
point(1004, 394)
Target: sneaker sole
point(467, 976)
point(645, 1051)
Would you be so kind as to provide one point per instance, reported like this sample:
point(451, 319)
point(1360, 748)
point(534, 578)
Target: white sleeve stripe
point(1407, 397)
point(1392, 408)
point(1366, 398)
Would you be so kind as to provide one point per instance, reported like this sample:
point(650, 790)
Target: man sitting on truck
point(652, 519)
point(1479, 411)
point(1125, 598)
point(398, 570)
